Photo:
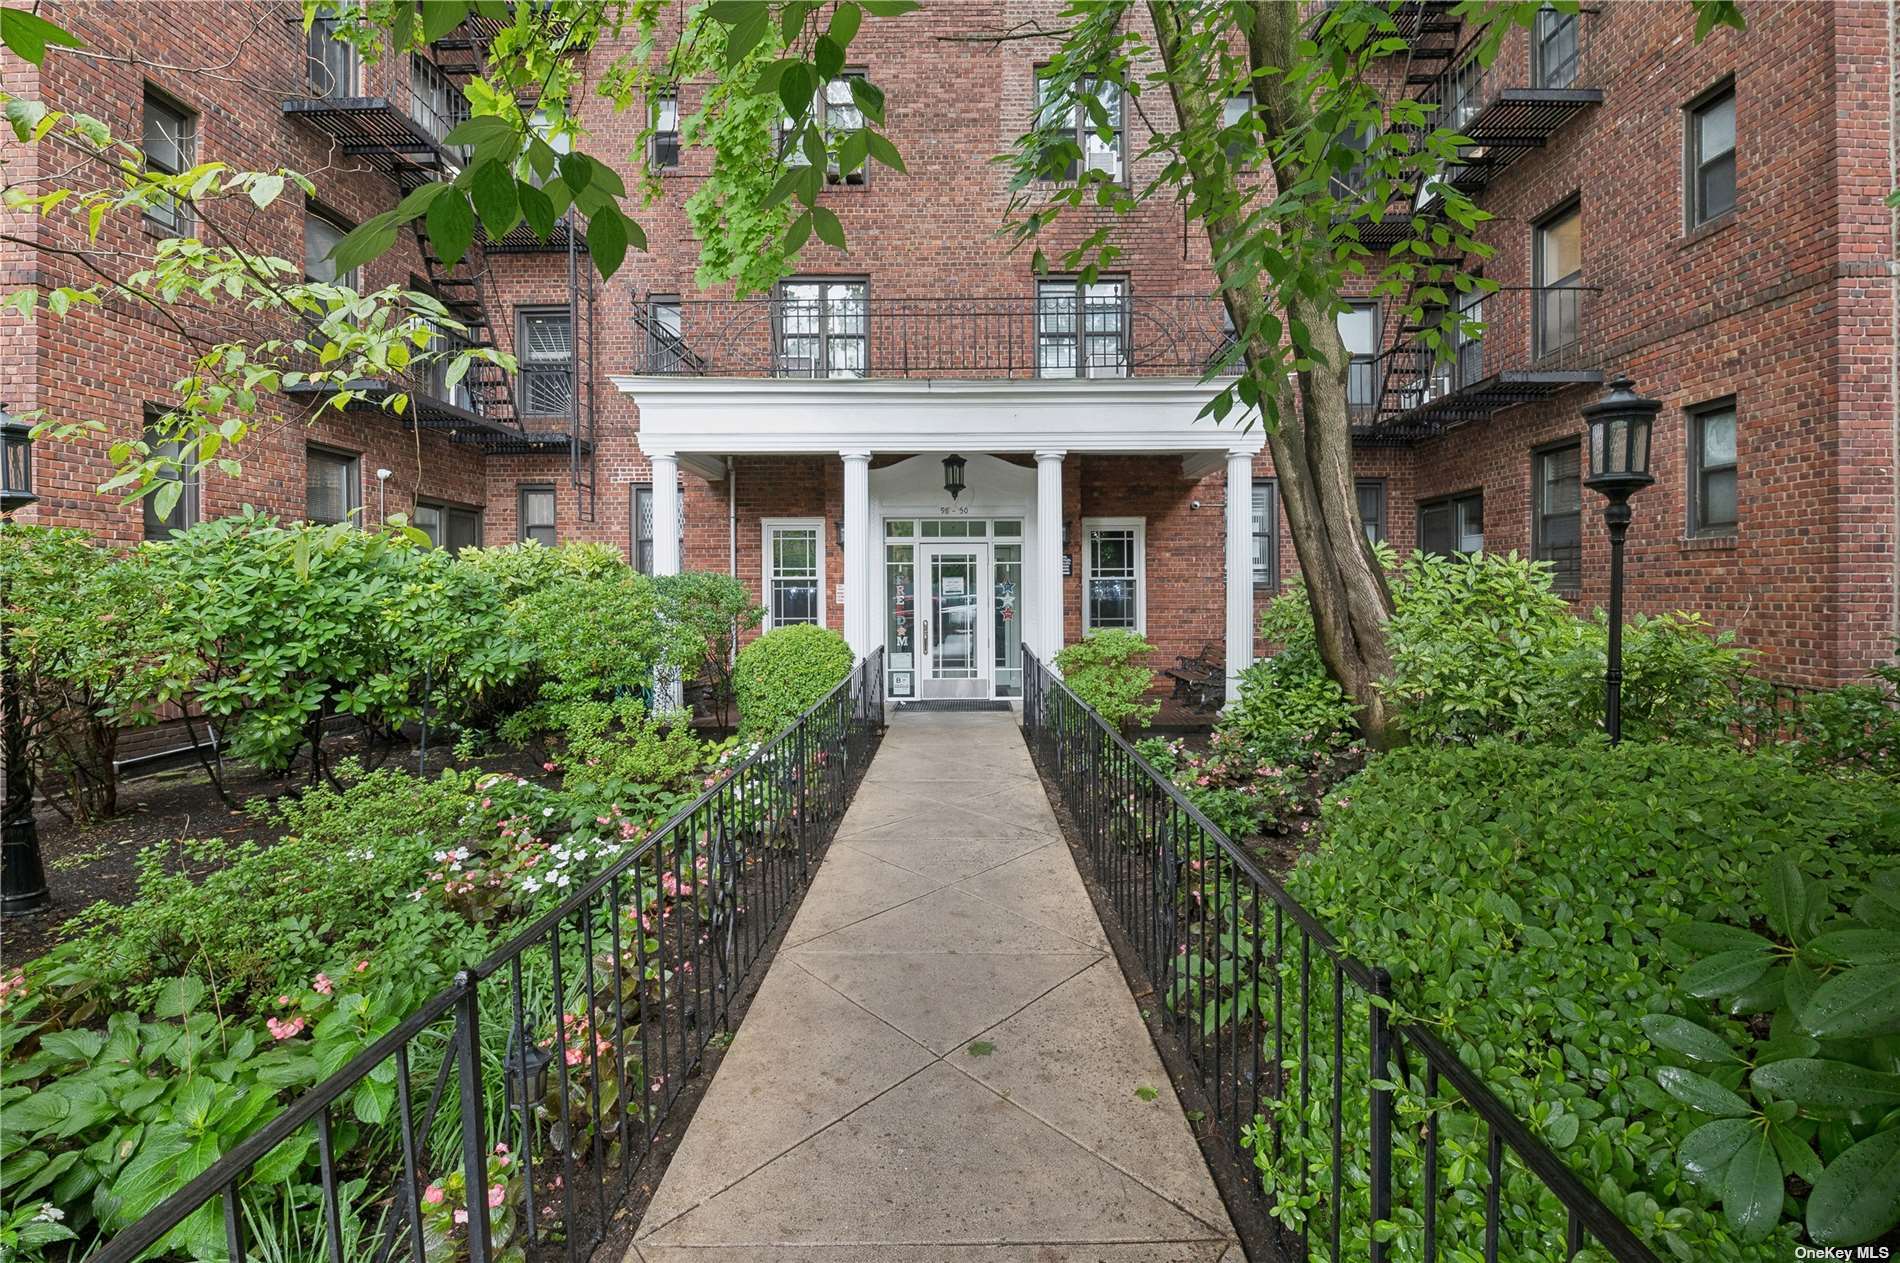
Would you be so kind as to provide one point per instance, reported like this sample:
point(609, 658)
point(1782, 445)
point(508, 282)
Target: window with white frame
point(794, 578)
point(1266, 535)
point(1114, 579)
point(1081, 328)
point(842, 116)
point(544, 345)
point(664, 150)
point(823, 328)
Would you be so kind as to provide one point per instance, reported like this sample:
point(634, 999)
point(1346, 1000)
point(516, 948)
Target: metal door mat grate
point(953, 704)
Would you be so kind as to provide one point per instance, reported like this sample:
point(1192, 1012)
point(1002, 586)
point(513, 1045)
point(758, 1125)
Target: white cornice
point(793, 415)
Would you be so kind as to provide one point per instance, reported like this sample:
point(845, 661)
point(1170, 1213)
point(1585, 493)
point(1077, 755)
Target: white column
point(1239, 569)
point(666, 558)
point(859, 623)
point(666, 513)
point(1048, 572)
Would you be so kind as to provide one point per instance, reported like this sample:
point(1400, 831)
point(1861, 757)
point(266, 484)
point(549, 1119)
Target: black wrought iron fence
point(1374, 1139)
point(506, 1117)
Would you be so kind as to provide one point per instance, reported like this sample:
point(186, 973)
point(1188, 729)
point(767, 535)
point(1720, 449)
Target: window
point(544, 349)
point(822, 329)
point(1712, 465)
point(664, 150)
point(449, 526)
point(1239, 139)
point(640, 519)
point(1347, 185)
point(332, 487)
point(321, 233)
point(435, 103)
point(666, 346)
point(1554, 49)
point(1099, 142)
point(537, 515)
point(1711, 175)
point(1557, 265)
point(1462, 94)
point(1113, 591)
point(841, 115)
point(1557, 513)
point(794, 572)
point(334, 69)
point(171, 146)
point(184, 514)
point(1454, 524)
point(1266, 535)
point(1081, 329)
point(1371, 495)
point(1359, 330)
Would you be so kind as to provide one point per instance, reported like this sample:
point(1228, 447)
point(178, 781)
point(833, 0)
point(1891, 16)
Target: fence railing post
point(1381, 1111)
point(468, 1066)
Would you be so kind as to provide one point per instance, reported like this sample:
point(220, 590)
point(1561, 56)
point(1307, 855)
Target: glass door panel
point(956, 590)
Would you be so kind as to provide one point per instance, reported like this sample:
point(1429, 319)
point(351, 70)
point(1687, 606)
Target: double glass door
point(953, 629)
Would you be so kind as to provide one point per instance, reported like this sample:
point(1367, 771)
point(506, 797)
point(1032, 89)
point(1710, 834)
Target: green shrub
point(1479, 648)
point(1792, 1074)
point(1521, 896)
point(1109, 670)
point(1679, 678)
point(265, 917)
point(1240, 792)
point(1290, 707)
point(518, 569)
point(591, 641)
point(83, 631)
point(784, 672)
point(710, 611)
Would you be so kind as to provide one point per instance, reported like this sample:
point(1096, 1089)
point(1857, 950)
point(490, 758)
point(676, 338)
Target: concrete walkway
point(944, 1063)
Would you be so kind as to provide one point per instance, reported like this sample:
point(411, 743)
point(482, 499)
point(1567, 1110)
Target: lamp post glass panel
point(22, 876)
point(1618, 439)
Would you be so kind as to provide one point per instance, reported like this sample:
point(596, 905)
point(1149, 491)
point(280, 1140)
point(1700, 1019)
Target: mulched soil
point(93, 863)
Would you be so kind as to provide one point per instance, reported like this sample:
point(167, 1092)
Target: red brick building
point(1706, 218)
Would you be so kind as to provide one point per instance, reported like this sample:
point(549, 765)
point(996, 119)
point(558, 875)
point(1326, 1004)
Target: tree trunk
point(1312, 445)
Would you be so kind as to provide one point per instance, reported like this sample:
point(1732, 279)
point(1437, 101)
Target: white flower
point(560, 879)
point(530, 885)
point(414, 895)
point(547, 811)
point(50, 1213)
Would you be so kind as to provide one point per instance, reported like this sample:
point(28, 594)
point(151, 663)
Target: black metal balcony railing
point(1534, 342)
point(395, 115)
point(1380, 1135)
point(544, 1074)
point(1171, 336)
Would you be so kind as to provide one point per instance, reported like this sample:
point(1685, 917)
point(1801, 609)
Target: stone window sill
point(1701, 233)
point(1708, 543)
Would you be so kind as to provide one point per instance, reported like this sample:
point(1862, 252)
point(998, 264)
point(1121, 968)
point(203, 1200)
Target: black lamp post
point(1620, 425)
point(953, 475)
point(22, 876)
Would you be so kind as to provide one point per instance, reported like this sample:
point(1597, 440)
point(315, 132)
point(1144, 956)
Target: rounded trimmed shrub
point(783, 672)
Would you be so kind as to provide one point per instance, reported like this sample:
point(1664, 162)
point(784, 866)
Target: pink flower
point(433, 1195)
point(488, 802)
point(323, 984)
point(283, 1029)
point(283, 999)
point(545, 767)
point(495, 1194)
point(461, 1216)
point(363, 964)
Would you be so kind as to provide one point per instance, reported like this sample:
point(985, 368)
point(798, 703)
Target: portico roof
point(693, 417)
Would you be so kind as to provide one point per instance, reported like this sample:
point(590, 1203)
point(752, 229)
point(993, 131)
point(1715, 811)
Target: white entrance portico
point(953, 587)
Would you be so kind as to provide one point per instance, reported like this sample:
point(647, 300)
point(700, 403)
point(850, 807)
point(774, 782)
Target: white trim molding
point(767, 526)
point(1139, 525)
point(699, 417)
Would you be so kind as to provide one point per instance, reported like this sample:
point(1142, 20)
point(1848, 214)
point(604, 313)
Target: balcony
point(1517, 103)
point(839, 332)
point(393, 115)
point(1536, 341)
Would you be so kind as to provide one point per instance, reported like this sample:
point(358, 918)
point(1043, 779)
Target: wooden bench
point(1201, 679)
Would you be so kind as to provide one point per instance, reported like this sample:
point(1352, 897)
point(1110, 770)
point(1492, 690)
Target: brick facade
point(1787, 305)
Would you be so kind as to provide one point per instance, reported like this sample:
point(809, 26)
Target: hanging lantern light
point(953, 475)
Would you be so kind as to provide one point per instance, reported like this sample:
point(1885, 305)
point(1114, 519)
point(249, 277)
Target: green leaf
point(265, 189)
point(889, 8)
point(178, 996)
point(28, 34)
point(1858, 1197)
point(826, 225)
point(366, 241)
point(1706, 1151)
point(483, 129)
point(1822, 1086)
point(1864, 1001)
point(1679, 1035)
point(1699, 1092)
point(885, 152)
point(1797, 1156)
point(1752, 1190)
point(845, 20)
point(745, 34)
point(981, 1048)
point(607, 240)
point(451, 227)
point(538, 209)
point(439, 17)
point(492, 189)
point(1787, 899)
point(1858, 947)
point(1725, 973)
point(1146, 1093)
point(1707, 937)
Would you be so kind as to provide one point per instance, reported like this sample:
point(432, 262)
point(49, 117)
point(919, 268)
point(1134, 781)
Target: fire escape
point(395, 117)
point(1411, 389)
